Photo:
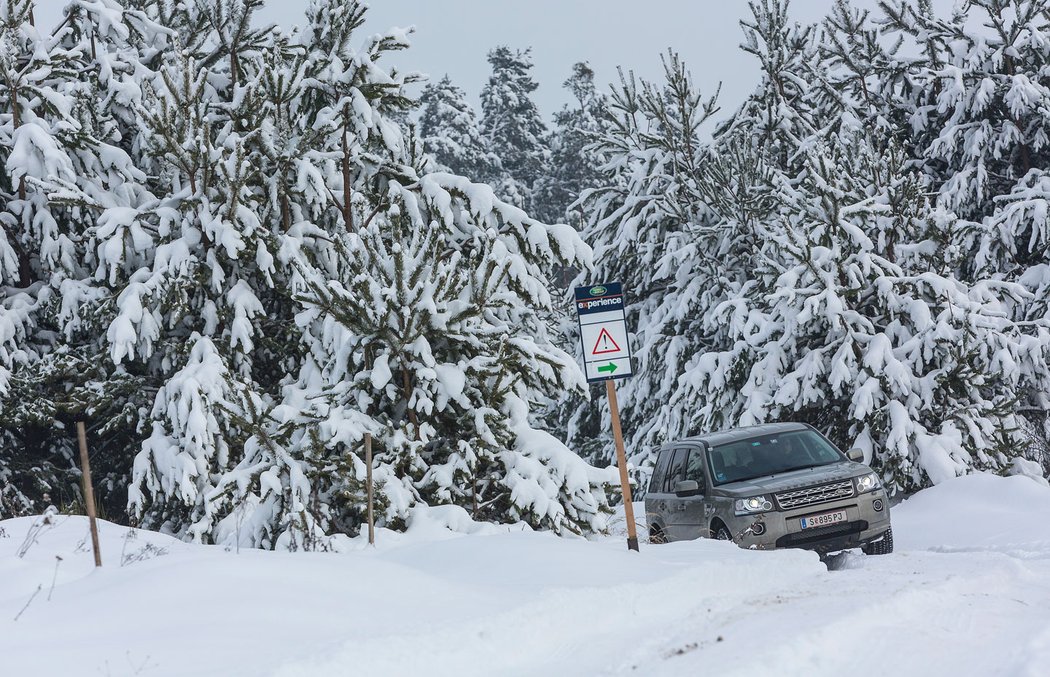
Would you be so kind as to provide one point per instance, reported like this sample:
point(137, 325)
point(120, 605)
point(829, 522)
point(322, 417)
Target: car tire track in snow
point(921, 613)
point(891, 623)
point(566, 630)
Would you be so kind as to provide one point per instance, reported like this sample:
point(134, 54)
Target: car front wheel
point(881, 547)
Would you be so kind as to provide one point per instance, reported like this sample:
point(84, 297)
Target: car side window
point(694, 470)
point(656, 484)
point(675, 470)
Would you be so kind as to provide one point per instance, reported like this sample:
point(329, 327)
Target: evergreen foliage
point(574, 161)
point(642, 222)
point(218, 238)
point(232, 252)
point(512, 127)
point(451, 134)
point(853, 248)
point(67, 93)
point(977, 105)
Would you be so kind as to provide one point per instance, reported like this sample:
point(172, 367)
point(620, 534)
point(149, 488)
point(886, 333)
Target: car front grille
point(818, 537)
point(798, 498)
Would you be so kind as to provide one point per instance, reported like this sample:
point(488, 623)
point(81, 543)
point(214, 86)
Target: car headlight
point(866, 483)
point(747, 506)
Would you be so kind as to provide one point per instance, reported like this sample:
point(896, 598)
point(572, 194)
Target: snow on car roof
point(743, 433)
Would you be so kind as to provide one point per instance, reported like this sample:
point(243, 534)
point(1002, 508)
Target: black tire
point(720, 532)
point(883, 547)
point(657, 537)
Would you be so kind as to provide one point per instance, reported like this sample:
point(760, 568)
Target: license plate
point(824, 520)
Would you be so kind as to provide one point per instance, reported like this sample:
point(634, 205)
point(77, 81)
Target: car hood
point(796, 479)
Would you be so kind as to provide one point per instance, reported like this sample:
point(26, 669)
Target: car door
point(656, 497)
point(677, 529)
point(693, 511)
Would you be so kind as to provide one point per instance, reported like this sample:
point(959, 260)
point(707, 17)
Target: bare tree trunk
point(348, 215)
point(25, 270)
point(286, 213)
point(406, 381)
point(234, 69)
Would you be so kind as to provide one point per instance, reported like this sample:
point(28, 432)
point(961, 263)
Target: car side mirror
point(683, 488)
point(855, 454)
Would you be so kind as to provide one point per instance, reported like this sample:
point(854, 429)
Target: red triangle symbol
point(605, 343)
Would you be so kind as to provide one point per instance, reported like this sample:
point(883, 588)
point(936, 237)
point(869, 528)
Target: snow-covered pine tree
point(853, 325)
point(280, 293)
point(852, 317)
point(864, 68)
point(425, 334)
point(653, 226)
point(193, 307)
point(31, 65)
point(640, 223)
point(422, 326)
point(689, 248)
point(329, 125)
point(68, 89)
point(451, 135)
point(977, 105)
point(512, 126)
point(574, 163)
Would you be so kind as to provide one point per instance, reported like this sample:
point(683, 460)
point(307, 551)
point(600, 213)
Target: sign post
point(368, 479)
point(89, 491)
point(607, 357)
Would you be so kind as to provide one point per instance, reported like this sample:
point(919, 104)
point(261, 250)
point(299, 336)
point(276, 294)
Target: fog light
point(758, 528)
point(877, 504)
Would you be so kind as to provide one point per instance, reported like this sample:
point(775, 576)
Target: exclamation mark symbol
point(605, 344)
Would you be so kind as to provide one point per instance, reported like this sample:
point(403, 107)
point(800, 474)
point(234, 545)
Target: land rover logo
point(598, 291)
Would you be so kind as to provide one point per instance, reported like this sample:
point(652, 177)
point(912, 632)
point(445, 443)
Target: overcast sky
point(453, 37)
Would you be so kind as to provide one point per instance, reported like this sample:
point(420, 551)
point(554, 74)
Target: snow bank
point(981, 511)
point(501, 599)
point(425, 524)
point(964, 595)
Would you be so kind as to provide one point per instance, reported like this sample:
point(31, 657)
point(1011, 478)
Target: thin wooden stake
point(621, 461)
point(368, 473)
point(89, 491)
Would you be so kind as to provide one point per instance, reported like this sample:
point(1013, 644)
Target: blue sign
point(599, 298)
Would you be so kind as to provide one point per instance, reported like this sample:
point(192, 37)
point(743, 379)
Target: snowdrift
point(965, 594)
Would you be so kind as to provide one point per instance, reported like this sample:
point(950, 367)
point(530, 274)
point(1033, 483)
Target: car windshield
point(769, 455)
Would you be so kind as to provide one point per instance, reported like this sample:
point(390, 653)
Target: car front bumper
point(783, 529)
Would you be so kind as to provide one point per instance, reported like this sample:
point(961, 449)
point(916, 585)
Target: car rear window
point(676, 470)
point(657, 481)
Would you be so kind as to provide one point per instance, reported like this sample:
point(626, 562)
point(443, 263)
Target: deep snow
point(967, 593)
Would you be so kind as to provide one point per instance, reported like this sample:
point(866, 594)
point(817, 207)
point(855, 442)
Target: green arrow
point(611, 367)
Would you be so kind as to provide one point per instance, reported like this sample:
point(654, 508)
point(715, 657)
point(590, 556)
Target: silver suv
point(780, 485)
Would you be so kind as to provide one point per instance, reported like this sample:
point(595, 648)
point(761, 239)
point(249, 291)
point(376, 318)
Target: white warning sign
point(603, 332)
point(605, 343)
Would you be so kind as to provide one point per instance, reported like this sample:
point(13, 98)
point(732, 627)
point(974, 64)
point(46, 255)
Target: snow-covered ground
point(966, 593)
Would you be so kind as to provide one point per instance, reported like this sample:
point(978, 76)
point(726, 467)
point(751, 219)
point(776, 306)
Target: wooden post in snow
point(368, 474)
point(621, 461)
point(89, 491)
